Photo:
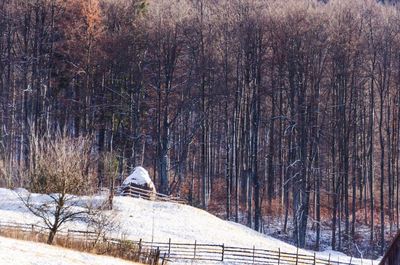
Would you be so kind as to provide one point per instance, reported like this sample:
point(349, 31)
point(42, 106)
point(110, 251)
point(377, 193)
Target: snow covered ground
point(161, 221)
point(29, 253)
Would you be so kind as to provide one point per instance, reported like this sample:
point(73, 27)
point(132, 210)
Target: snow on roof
point(139, 176)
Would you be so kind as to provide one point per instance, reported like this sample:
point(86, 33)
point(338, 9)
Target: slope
point(161, 221)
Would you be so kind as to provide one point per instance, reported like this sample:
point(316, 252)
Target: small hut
point(140, 183)
point(392, 255)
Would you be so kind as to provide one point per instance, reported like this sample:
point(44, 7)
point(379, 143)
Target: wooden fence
point(237, 255)
point(171, 251)
point(77, 234)
point(84, 241)
point(211, 252)
point(148, 195)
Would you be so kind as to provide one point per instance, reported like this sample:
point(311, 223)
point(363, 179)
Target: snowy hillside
point(159, 221)
point(29, 253)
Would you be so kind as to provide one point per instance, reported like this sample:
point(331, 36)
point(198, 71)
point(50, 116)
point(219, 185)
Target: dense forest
point(249, 108)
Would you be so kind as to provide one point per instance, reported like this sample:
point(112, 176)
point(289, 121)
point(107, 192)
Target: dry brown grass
point(123, 249)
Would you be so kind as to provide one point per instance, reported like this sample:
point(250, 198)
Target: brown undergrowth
point(123, 249)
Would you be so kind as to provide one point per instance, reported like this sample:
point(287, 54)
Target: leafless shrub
point(103, 223)
point(5, 176)
point(111, 171)
point(10, 173)
point(59, 169)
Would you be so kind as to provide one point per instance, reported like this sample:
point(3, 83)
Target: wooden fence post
point(157, 258)
point(163, 261)
point(33, 230)
point(140, 249)
point(223, 252)
point(254, 250)
point(297, 256)
point(351, 259)
point(329, 259)
point(68, 241)
point(314, 259)
point(195, 246)
point(169, 247)
point(279, 256)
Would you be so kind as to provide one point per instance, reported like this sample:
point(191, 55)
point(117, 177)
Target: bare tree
point(59, 170)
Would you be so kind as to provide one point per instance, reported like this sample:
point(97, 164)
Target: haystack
point(140, 179)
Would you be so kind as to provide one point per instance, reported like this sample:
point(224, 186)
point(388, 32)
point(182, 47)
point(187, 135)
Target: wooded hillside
point(261, 108)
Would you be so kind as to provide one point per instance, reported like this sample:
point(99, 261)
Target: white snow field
point(161, 221)
point(20, 252)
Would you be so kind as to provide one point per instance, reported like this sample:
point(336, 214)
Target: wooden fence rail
point(83, 241)
point(171, 251)
point(148, 195)
point(235, 255)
